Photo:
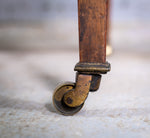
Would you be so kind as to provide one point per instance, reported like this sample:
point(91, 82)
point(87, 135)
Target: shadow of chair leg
point(50, 107)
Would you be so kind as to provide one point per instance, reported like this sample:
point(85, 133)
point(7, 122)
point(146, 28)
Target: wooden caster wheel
point(58, 100)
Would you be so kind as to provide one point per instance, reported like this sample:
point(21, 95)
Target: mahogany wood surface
point(92, 30)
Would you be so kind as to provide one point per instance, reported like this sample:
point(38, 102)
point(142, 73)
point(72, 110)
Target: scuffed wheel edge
point(58, 103)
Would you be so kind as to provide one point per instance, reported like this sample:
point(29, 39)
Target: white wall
point(130, 10)
point(37, 9)
point(122, 10)
point(58, 25)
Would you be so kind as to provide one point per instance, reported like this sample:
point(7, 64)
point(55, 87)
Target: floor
point(120, 109)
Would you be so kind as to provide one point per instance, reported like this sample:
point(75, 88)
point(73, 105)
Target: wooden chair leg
point(69, 98)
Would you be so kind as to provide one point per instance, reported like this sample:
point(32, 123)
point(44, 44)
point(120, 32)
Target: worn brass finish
point(61, 90)
point(58, 99)
point(77, 96)
point(93, 68)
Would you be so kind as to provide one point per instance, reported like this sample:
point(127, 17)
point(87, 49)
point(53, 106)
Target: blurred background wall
point(52, 24)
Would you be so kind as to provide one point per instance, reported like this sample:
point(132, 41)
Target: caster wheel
point(59, 102)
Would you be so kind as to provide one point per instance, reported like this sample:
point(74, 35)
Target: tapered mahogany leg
point(92, 30)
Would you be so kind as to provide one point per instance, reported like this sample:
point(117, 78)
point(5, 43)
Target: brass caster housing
point(69, 98)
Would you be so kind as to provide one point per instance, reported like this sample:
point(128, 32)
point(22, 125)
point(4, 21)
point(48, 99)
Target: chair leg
point(70, 97)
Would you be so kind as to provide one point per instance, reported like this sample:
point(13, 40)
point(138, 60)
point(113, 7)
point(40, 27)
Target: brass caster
point(58, 100)
point(69, 98)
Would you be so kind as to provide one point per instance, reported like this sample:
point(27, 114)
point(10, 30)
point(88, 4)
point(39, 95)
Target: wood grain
point(92, 30)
